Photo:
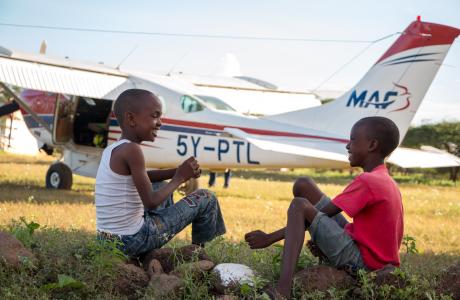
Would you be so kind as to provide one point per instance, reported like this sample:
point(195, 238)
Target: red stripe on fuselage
point(250, 130)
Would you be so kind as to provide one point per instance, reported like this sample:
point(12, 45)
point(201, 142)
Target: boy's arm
point(151, 199)
point(160, 175)
point(259, 239)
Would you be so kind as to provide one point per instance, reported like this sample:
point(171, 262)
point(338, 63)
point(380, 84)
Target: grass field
point(256, 200)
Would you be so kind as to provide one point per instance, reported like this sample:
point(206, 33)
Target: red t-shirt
point(374, 202)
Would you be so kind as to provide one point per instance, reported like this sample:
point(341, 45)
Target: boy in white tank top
point(127, 206)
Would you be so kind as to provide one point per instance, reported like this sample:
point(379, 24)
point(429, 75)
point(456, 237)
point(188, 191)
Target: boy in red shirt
point(372, 199)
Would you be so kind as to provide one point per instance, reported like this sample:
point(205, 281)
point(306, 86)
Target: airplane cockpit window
point(189, 104)
point(215, 103)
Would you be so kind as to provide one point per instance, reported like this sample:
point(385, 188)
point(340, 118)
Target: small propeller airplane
point(69, 105)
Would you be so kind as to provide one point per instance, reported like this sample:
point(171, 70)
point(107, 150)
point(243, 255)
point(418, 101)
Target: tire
point(189, 186)
point(59, 177)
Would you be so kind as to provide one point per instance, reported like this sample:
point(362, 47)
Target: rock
point(129, 279)
point(449, 283)
point(192, 252)
point(230, 276)
point(322, 278)
point(165, 257)
point(194, 269)
point(385, 276)
point(169, 257)
point(13, 252)
point(162, 284)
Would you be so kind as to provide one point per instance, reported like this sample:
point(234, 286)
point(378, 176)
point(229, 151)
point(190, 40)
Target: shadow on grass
point(33, 192)
point(326, 177)
point(26, 162)
point(340, 177)
point(429, 263)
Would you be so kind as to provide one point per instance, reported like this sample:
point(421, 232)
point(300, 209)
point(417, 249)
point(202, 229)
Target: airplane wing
point(39, 72)
point(402, 157)
point(287, 147)
point(413, 158)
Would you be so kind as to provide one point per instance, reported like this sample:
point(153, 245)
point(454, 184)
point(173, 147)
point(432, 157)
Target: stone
point(230, 276)
point(130, 278)
point(194, 269)
point(385, 275)
point(12, 252)
point(169, 257)
point(162, 284)
point(322, 278)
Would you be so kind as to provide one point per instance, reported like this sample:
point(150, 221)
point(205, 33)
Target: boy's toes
point(273, 293)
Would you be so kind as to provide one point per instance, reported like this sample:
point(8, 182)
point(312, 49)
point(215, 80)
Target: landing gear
point(189, 186)
point(59, 176)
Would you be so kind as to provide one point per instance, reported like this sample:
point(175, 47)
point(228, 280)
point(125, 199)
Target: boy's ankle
point(282, 291)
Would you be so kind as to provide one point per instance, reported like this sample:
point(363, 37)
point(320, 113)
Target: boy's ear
point(373, 145)
point(129, 117)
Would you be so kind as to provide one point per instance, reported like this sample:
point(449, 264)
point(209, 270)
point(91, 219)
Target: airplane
point(246, 94)
point(69, 105)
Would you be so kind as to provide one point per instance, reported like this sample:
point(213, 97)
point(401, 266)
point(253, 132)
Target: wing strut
point(26, 107)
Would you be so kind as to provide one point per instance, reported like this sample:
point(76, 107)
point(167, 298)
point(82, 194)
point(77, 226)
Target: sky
point(295, 65)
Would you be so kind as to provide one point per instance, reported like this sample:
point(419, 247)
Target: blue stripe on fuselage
point(31, 123)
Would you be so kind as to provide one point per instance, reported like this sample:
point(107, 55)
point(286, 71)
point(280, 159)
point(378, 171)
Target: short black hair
point(130, 100)
point(384, 130)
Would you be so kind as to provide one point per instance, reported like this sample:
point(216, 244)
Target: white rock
point(231, 274)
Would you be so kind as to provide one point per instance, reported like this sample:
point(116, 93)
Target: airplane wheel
point(59, 176)
point(189, 186)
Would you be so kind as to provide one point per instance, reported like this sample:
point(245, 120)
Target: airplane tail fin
point(394, 87)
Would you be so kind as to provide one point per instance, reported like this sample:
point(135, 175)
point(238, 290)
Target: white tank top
point(119, 208)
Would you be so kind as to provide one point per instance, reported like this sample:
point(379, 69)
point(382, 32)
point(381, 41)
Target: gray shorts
point(329, 235)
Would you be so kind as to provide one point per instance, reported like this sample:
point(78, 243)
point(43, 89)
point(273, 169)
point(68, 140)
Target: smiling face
point(360, 145)
point(148, 119)
point(142, 119)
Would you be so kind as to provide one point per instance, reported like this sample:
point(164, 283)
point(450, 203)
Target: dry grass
point(432, 213)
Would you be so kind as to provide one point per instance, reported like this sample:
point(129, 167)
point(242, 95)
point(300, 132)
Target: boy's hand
point(188, 169)
point(257, 239)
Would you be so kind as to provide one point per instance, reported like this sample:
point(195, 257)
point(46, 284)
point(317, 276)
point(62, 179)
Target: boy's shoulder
point(126, 148)
point(378, 178)
point(127, 151)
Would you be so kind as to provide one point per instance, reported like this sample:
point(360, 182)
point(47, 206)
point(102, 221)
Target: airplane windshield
point(190, 104)
point(215, 103)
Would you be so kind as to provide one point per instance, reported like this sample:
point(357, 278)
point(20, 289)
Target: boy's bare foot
point(273, 293)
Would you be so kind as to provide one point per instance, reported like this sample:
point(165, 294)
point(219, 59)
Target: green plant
point(410, 243)
point(23, 230)
point(253, 288)
point(64, 281)
point(104, 255)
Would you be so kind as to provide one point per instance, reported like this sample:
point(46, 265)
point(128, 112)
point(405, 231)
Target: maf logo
point(376, 101)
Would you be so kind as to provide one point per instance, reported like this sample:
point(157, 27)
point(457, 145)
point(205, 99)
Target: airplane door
point(63, 119)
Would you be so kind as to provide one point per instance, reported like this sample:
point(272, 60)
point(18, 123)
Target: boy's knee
point(205, 197)
point(302, 185)
point(299, 204)
point(205, 193)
